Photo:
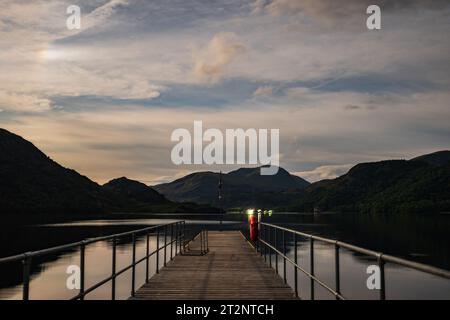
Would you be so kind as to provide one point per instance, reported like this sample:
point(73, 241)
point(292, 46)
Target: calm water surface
point(424, 239)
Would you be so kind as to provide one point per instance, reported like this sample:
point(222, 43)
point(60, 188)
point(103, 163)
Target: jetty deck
point(231, 270)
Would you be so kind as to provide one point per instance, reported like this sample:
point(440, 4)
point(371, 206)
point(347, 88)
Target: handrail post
point(207, 240)
point(265, 245)
point(82, 269)
point(276, 251)
point(201, 241)
point(157, 250)
point(204, 240)
point(311, 258)
point(113, 271)
point(184, 236)
point(270, 248)
point(176, 238)
point(147, 253)
point(165, 245)
point(26, 277)
point(260, 238)
point(381, 264)
point(171, 241)
point(296, 262)
point(284, 256)
point(133, 269)
point(337, 269)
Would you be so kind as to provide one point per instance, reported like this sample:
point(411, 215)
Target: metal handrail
point(265, 239)
point(178, 235)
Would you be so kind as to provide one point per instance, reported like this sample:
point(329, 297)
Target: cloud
point(102, 13)
point(263, 91)
point(210, 61)
point(324, 172)
point(12, 101)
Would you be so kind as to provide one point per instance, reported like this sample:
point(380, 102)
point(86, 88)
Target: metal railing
point(177, 234)
point(267, 244)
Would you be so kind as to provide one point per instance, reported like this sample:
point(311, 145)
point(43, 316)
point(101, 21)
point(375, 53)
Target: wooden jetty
point(231, 270)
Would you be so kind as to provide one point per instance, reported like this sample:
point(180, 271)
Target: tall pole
point(220, 199)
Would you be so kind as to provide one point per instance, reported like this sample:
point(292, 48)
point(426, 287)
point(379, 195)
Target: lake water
point(424, 239)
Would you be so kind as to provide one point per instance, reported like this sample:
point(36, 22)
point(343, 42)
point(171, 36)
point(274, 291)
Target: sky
point(105, 99)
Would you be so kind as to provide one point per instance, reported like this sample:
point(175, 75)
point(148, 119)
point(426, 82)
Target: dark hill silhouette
point(242, 187)
point(134, 190)
point(419, 185)
point(436, 158)
point(31, 182)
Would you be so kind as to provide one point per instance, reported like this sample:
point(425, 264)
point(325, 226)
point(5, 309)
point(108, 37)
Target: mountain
point(31, 182)
point(242, 187)
point(135, 191)
point(421, 184)
point(134, 196)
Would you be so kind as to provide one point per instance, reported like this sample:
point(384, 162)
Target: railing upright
point(171, 242)
point(270, 249)
point(184, 237)
point(311, 257)
point(165, 245)
point(157, 250)
point(265, 247)
point(147, 257)
point(296, 264)
point(133, 268)
point(26, 277)
point(337, 270)
point(284, 257)
point(176, 238)
point(82, 268)
point(113, 271)
point(381, 264)
point(276, 248)
point(201, 241)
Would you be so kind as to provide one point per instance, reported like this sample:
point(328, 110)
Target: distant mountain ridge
point(240, 187)
point(421, 184)
point(31, 182)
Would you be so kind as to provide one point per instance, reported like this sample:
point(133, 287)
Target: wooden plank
point(231, 270)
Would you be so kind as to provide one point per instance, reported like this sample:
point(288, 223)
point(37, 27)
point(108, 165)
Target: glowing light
point(52, 54)
point(250, 211)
